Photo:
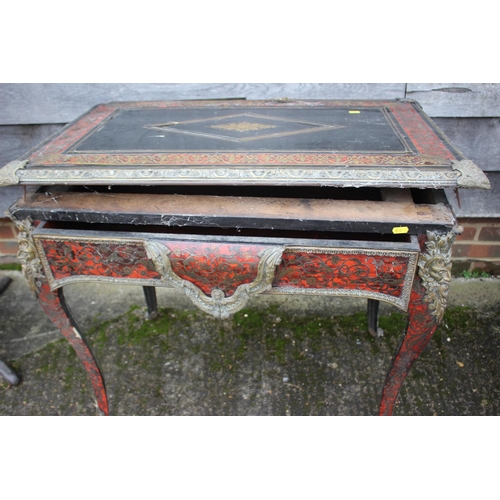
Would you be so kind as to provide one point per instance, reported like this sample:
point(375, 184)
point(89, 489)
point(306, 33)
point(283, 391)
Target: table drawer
point(219, 273)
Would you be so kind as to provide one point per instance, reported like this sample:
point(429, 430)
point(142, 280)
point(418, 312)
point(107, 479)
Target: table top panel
point(236, 142)
point(208, 130)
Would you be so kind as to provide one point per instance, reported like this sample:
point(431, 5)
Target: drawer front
point(79, 259)
point(220, 276)
point(355, 272)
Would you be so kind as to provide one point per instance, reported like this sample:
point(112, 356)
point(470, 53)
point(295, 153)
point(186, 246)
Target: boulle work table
point(226, 199)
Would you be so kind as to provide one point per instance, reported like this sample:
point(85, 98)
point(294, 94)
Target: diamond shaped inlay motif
point(243, 127)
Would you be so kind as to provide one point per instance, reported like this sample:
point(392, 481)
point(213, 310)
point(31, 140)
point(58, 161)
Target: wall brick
point(7, 232)
point(472, 251)
point(458, 266)
point(488, 267)
point(490, 233)
point(468, 234)
point(8, 247)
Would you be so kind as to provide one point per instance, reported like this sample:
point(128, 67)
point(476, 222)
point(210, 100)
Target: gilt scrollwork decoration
point(471, 176)
point(435, 269)
point(217, 304)
point(8, 175)
point(28, 255)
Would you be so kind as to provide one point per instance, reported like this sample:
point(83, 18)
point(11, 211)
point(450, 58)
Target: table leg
point(5, 371)
point(150, 295)
point(427, 305)
point(372, 313)
point(419, 330)
point(55, 307)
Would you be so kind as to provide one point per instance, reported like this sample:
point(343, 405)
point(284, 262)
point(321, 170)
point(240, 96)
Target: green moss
point(458, 318)
point(251, 320)
point(10, 267)
point(282, 335)
point(475, 274)
point(98, 332)
point(393, 324)
point(354, 322)
point(135, 330)
point(53, 354)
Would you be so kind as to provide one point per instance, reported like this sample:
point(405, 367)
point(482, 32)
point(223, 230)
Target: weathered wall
point(468, 113)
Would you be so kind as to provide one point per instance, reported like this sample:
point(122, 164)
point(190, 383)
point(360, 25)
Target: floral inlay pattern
point(242, 126)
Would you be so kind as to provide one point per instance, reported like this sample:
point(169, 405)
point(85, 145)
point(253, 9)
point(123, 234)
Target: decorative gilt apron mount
point(217, 304)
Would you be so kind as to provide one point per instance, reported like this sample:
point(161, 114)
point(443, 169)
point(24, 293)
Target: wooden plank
point(477, 138)
point(457, 99)
point(17, 140)
point(476, 202)
point(32, 103)
point(231, 212)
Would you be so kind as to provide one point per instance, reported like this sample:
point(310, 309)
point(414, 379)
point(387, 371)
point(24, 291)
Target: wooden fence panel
point(477, 138)
point(17, 140)
point(477, 202)
point(457, 99)
point(63, 102)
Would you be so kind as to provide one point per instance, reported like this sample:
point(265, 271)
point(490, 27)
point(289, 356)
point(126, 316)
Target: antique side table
point(226, 199)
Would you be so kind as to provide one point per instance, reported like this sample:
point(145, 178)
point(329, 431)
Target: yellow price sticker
point(400, 230)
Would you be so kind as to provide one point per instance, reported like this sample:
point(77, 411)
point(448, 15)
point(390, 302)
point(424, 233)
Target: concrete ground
point(282, 355)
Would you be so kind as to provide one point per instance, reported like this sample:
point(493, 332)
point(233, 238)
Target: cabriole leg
point(419, 330)
point(427, 305)
point(55, 307)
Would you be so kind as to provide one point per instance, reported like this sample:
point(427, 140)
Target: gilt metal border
point(217, 304)
point(401, 302)
point(342, 176)
point(8, 174)
point(58, 283)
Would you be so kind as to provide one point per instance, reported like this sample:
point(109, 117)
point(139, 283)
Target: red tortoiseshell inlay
point(74, 132)
point(225, 267)
point(114, 260)
point(420, 328)
point(379, 273)
point(425, 140)
point(212, 266)
point(209, 266)
point(53, 303)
